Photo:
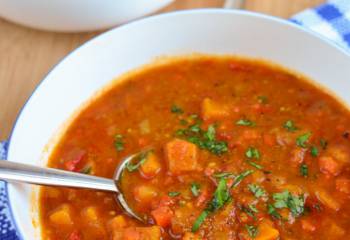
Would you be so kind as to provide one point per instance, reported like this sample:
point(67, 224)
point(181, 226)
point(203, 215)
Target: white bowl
point(94, 64)
point(76, 15)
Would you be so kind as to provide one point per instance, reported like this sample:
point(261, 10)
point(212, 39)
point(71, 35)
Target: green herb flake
point(257, 166)
point(195, 188)
point(257, 191)
point(251, 210)
point(290, 126)
point(263, 99)
point(118, 142)
point(173, 194)
point(183, 122)
point(86, 170)
point(304, 170)
point(314, 151)
point(220, 198)
point(245, 122)
point(238, 179)
point(176, 109)
point(287, 200)
point(252, 230)
point(271, 210)
point(252, 153)
point(223, 175)
point(140, 159)
point(302, 140)
point(323, 143)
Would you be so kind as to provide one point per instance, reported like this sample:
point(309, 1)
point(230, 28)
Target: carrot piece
point(151, 166)
point(181, 156)
point(267, 232)
point(214, 110)
point(75, 235)
point(326, 199)
point(62, 215)
point(328, 165)
point(74, 158)
point(144, 193)
point(343, 185)
point(162, 216)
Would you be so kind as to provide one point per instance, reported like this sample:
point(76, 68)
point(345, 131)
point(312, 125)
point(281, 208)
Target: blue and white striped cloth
point(332, 20)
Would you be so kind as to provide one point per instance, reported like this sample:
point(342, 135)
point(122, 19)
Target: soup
point(231, 148)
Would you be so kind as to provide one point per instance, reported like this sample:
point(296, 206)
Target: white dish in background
point(76, 15)
point(97, 62)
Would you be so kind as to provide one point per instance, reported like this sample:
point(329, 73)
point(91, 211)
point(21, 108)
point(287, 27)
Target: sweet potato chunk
point(144, 193)
point(91, 213)
point(142, 233)
point(151, 166)
point(267, 232)
point(191, 236)
point(326, 199)
point(162, 216)
point(118, 222)
point(214, 110)
point(62, 215)
point(181, 156)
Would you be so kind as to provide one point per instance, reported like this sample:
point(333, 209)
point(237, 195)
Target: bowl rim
point(274, 19)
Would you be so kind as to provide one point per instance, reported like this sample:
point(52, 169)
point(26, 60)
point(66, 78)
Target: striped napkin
point(332, 20)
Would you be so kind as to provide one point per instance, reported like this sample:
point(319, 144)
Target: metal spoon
point(18, 172)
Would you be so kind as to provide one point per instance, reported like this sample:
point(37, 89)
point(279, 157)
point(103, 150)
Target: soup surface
point(230, 149)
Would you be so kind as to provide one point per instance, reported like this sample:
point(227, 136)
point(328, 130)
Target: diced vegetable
point(118, 222)
point(181, 156)
point(343, 185)
point(297, 155)
point(151, 166)
point(91, 213)
point(73, 159)
point(162, 216)
point(329, 165)
point(326, 199)
point(75, 235)
point(191, 236)
point(267, 232)
point(214, 110)
point(144, 193)
point(142, 233)
point(62, 215)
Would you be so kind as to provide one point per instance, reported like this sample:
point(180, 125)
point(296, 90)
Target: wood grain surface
point(26, 55)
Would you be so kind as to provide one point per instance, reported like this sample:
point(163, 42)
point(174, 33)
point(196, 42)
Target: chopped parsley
point(257, 190)
point(220, 198)
point(323, 143)
point(118, 142)
point(245, 122)
point(238, 179)
point(176, 109)
point(304, 170)
point(223, 175)
point(314, 151)
point(86, 170)
point(250, 210)
point(262, 99)
point(287, 200)
point(173, 194)
point(140, 159)
point(183, 122)
point(204, 139)
point(252, 153)
point(195, 187)
point(257, 166)
point(290, 126)
point(271, 210)
point(252, 230)
point(302, 140)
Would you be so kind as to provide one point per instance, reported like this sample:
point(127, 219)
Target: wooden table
point(26, 55)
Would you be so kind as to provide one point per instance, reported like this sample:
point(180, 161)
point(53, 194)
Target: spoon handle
point(18, 172)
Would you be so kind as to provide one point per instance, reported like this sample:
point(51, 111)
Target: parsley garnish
point(304, 171)
point(140, 159)
point(257, 190)
point(223, 175)
point(250, 210)
point(176, 109)
point(314, 151)
point(86, 170)
point(118, 142)
point(238, 179)
point(301, 141)
point(271, 210)
point(252, 230)
point(252, 153)
point(183, 122)
point(323, 143)
point(173, 194)
point(257, 166)
point(287, 200)
point(204, 139)
point(220, 198)
point(245, 122)
point(290, 126)
point(195, 189)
